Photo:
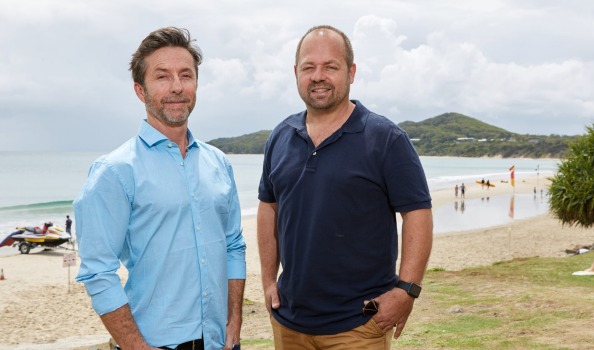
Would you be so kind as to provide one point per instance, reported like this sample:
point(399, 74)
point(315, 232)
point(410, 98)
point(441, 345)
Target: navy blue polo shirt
point(336, 216)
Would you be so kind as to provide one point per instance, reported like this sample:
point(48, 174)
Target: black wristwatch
point(413, 289)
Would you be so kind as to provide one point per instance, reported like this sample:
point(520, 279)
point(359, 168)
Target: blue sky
point(526, 66)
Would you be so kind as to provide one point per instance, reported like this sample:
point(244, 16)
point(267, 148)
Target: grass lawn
point(523, 304)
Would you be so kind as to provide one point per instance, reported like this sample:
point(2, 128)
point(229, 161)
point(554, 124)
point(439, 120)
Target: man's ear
point(352, 72)
point(140, 92)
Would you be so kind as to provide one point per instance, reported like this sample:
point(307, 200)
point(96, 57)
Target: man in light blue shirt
point(165, 205)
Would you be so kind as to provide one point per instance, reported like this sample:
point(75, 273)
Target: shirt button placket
point(312, 161)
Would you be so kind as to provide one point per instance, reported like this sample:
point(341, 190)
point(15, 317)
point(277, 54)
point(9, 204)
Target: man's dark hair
point(163, 37)
point(348, 48)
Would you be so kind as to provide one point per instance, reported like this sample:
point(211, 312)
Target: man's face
point(323, 78)
point(169, 89)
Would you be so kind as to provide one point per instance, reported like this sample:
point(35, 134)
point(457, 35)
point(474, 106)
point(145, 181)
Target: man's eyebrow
point(166, 70)
point(330, 61)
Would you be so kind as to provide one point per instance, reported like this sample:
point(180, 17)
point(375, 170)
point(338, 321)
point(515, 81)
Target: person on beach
point(165, 205)
point(333, 178)
point(462, 190)
point(68, 224)
point(456, 190)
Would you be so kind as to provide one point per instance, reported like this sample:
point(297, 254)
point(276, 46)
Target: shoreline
point(35, 294)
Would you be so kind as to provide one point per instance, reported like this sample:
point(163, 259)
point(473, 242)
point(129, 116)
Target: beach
point(41, 307)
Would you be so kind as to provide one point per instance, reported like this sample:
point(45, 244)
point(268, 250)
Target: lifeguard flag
point(511, 175)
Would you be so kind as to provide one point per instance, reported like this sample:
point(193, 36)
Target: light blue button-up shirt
point(175, 224)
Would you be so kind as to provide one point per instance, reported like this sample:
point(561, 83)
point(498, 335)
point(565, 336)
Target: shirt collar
point(152, 136)
point(355, 123)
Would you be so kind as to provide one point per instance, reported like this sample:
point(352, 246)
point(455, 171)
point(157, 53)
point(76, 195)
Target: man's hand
point(271, 297)
point(394, 308)
point(232, 336)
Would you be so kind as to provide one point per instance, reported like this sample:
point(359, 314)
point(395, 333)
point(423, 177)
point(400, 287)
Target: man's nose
point(176, 85)
point(318, 74)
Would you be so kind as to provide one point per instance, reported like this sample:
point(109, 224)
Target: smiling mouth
point(320, 89)
point(175, 100)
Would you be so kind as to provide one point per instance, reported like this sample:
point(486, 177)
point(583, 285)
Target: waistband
point(196, 344)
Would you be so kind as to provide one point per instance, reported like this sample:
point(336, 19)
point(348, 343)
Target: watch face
point(415, 290)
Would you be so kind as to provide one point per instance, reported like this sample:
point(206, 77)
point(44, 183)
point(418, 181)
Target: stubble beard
point(335, 98)
point(161, 114)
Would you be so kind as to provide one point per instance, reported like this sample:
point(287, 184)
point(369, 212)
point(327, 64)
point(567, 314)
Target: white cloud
point(525, 66)
point(445, 75)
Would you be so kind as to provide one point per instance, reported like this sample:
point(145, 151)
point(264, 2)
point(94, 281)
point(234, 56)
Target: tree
point(571, 194)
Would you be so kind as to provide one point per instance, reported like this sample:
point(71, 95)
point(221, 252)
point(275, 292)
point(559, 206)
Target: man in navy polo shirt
point(334, 177)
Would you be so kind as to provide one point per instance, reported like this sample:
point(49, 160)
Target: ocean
point(36, 187)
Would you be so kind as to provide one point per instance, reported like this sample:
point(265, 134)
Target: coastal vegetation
point(449, 134)
point(246, 144)
point(572, 188)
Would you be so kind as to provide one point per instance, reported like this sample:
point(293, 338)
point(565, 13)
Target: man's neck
point(321, 124)
point(177, 134)
point(323, 117)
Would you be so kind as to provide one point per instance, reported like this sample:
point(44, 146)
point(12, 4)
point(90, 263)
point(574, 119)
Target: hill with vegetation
point(245, 144)
point(454, 134)
point(449, 134)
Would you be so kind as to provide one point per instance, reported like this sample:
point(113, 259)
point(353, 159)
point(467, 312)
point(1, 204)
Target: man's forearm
point(236, 288)
point(417, 240)
point(120, 324)
point(268, 242)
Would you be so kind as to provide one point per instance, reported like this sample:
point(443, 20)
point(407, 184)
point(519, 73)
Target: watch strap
point(413, 289)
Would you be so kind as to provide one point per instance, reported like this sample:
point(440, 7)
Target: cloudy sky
point(523, 65)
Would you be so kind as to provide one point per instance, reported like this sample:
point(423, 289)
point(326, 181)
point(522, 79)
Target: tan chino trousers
point(368, 336)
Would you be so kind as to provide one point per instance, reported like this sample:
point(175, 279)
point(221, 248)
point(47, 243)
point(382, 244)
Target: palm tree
point(572, 188)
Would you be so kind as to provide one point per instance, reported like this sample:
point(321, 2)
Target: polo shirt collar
point(355, 123)
point(152, 136)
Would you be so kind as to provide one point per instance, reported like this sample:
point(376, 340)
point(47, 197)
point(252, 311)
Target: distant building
point(465, 139)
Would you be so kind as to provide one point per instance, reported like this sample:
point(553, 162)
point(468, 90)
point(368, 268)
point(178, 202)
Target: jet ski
point(26, 238)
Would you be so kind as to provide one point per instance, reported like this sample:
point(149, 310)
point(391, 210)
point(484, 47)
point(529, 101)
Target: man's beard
point(161, 114)
point(335, 98)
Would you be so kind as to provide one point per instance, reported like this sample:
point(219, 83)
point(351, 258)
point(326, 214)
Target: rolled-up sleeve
point(102, 211)
point(236, 265)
